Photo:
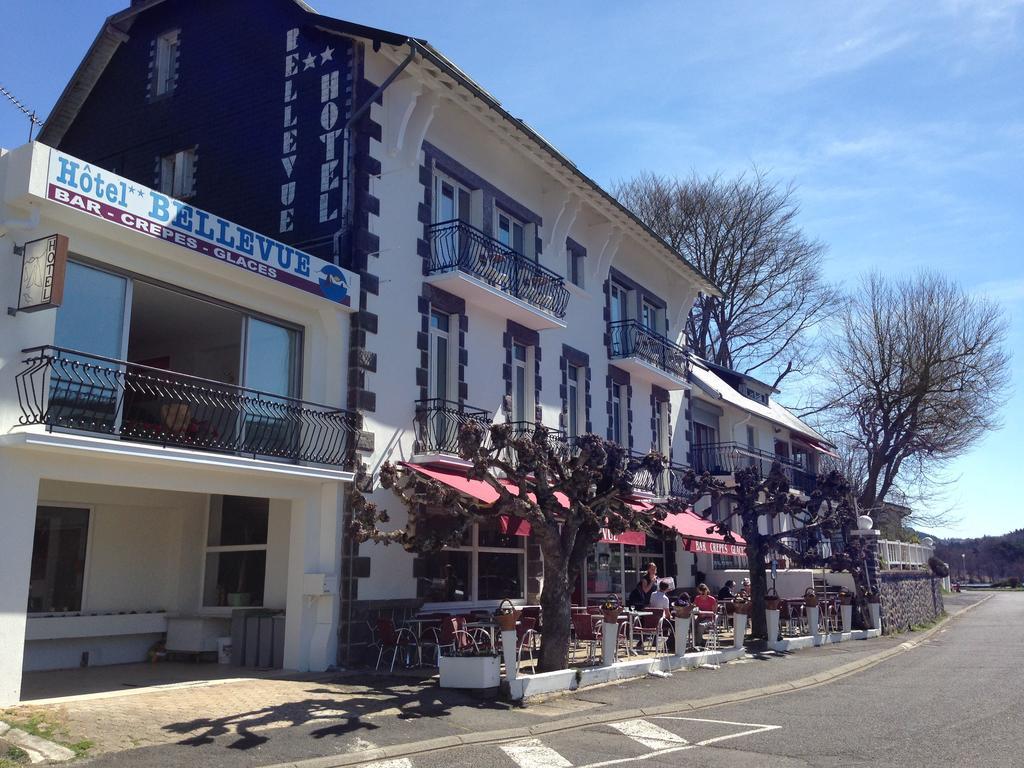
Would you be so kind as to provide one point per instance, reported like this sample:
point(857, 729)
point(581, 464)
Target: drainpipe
point(362, 110)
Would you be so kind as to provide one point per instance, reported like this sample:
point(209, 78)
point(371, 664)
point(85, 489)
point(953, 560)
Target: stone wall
point(909, 598)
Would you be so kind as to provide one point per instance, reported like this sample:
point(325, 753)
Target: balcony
point(642, 352)
point(483, 271)
point(726, 458)
point(437, 426)
point(68, 390)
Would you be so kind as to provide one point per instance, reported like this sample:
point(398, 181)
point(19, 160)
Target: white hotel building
point(177, 438)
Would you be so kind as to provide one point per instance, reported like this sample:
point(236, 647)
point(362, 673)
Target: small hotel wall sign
point(77, 184)
point(43, 263)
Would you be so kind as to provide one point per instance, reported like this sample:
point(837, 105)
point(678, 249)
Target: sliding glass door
point(270, 368)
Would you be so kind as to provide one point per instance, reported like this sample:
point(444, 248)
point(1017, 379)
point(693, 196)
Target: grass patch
point(928, 624)
point(45, 724)
point(12, 756)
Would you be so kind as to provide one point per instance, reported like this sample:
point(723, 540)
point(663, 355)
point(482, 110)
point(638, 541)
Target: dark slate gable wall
point(229, 104)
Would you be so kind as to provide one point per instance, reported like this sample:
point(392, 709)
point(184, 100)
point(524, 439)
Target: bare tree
point(743, 235)
point(567, 495)
point(916, 375)
point(764, 504)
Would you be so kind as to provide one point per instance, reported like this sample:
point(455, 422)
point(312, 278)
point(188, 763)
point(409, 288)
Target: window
point(522, 391)
point(511, 232)
point(619, 303)
point(488, 566)
point(649, 316)
point(177, 174)
point(452, 200)
point(661, 443)
point(57, 577)
point(751, 437)
point(236, 552)
point(617, 420)
point(165, 66)
point(576, 265)
point(439, 358)
point(575, 378)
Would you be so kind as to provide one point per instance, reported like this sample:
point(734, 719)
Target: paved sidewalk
point(263, 721)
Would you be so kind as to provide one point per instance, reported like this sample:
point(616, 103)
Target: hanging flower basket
point(506, 616)
point(874, 598)
point(610, 608)
point(772, 601)
point(845, 597)
point(810, 598)
point(741, 606)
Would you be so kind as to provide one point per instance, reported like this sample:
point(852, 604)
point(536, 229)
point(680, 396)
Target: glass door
point(521, 400)
point(619, 313)
point(444, 428)
point(451, 243)
point(270, 366)
point(86, 390)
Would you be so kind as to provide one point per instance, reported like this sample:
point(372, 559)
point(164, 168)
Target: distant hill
point(989, 558)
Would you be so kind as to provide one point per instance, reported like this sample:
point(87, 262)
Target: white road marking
point(752, 728)
point(532, 754)
point(647, 733)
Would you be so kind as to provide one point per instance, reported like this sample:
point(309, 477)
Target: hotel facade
point(308, 246)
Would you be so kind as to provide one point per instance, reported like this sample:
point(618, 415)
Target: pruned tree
point(567, 494)
point(764, 504)
point(916, 375)
point(743, 234)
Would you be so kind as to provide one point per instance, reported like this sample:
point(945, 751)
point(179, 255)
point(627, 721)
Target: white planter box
point(470, 671)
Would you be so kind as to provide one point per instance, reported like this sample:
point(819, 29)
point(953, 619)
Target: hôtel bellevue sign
point(105, 195)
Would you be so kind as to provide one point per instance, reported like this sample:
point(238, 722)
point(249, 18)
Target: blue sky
point(901, 123)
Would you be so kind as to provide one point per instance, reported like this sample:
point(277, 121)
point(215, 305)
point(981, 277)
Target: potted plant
point(811, 598)
point(741, 606)
point(477, 670)
point(846, 608)
point(875, 609)
point(772, 600)
point(682, 610)
point(506, 616)
point(610, 609)
point(845, 597)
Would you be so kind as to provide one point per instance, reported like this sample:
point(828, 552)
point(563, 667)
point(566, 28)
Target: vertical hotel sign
point(43, 264)
point(104, 195)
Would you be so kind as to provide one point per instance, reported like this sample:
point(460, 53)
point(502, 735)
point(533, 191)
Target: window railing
point(630, 338)
point(438, 422)
point(455, 245)
point(66, 389)
point(726, 458)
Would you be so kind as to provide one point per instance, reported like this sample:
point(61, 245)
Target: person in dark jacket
point(726, 592)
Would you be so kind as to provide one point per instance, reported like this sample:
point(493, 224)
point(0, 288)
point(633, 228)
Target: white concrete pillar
point(314, 552)
point(20, 488)
point(682, 635)
point(812, 623)
point(609, 639)
point(508, 651)
point(772, 618)
point(876, 615)
point(739, 622)
point(847, 613)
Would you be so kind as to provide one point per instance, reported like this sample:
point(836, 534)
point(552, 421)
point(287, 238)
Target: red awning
point(814, 445)
point(514, 526)
point(694, 530)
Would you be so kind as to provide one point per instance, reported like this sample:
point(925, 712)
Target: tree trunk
point(758, 585)
point(555, 603)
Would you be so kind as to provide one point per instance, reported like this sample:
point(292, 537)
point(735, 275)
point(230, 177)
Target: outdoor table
point(488, 624)
point(424, 618)
point(629, 616)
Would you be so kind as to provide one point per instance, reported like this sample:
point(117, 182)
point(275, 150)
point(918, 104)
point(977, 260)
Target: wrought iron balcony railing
point(455, 245)
point(438, 422)
point(66, 389)
point(630, 338)
point(726, 458)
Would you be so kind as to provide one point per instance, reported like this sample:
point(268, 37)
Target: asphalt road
point(954, 700)
point(957, 699)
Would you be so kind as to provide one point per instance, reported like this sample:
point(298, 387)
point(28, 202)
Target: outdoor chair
point(655, 628)
point(388, 638)
point(707, 629)
point(453, 638)
point(526, 639)
point(587, 631)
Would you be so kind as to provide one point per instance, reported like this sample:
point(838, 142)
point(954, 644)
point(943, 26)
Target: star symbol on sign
point(327, 55)
point(131, 189)
point(309, 61)
point(141, 192)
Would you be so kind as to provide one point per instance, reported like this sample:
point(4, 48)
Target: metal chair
point(452, 636)
point(388, 638)
point(657, 628)
point(526, 636)
point(587, 631)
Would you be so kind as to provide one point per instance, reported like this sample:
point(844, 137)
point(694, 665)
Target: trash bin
point(223, 650)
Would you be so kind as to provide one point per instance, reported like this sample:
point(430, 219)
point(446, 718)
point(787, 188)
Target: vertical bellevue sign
point(43, 264)
point(104, 195)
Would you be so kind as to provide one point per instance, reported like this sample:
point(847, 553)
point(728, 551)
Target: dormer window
point(177, 174)
point(165, 62)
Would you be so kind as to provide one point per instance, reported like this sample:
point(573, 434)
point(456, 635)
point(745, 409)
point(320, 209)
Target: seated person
point(659, 599)
point(704, 602)
point(745, 588)
point(726, 592)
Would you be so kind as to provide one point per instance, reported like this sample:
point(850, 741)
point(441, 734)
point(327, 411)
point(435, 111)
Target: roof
point(115, 29)
point(713, 384)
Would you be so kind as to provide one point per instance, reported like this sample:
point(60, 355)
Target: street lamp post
point(963, 564)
